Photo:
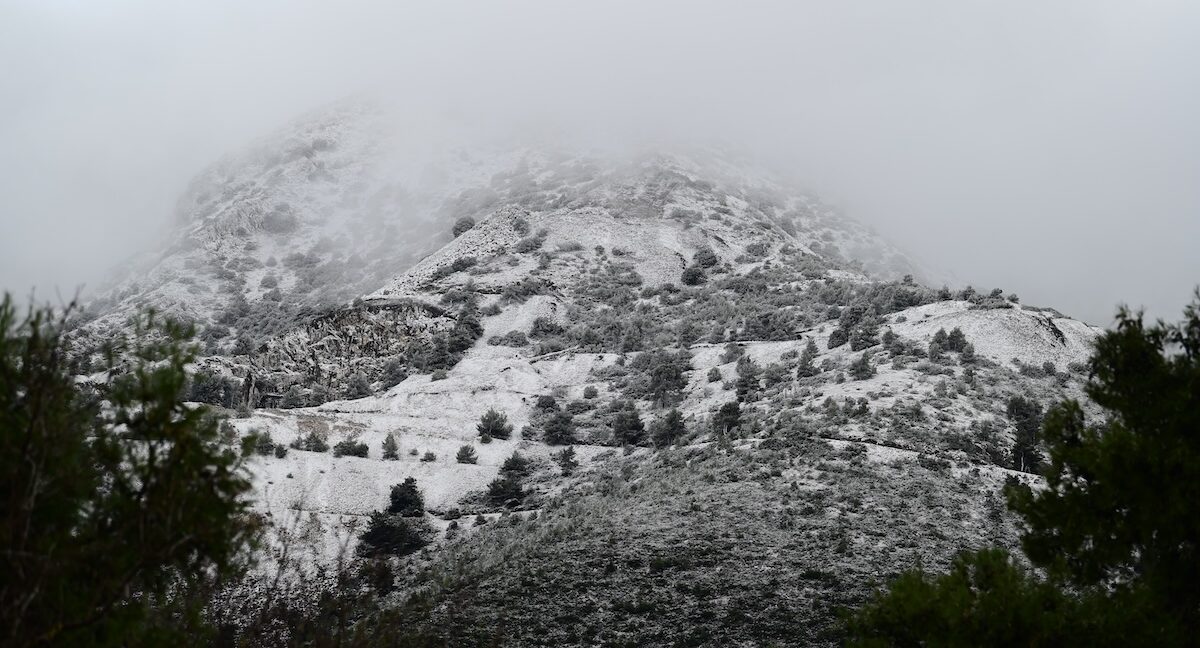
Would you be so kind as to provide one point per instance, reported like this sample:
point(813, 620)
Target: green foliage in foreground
point(121, 508)
point(1116, 531)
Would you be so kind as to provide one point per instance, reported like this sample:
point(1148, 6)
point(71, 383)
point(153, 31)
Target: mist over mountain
point(969, 136)
point(552, 325)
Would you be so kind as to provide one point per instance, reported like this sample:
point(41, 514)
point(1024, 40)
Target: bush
point(545, 327)
point(350, 448)
point(510, 339)
point(428, 456)
point(714, 375)
point(838, 337)
point(590, 392)
point(705, 258)
point(693, 276)
point(462, 225)
point(529, 244)
point(466, 455)
point(756, 250)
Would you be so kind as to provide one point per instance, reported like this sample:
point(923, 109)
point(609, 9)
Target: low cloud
point(1050, 149)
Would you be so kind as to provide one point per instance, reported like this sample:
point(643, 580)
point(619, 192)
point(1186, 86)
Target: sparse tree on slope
point(566, 460)
point(494, 425)
point(559, 429)
point(861, 368)
point(1026, 415)
point(466, 455)
point(406, 499)
point(627, 427)
point(727, 418)
point(669, 429)
point(391, 451)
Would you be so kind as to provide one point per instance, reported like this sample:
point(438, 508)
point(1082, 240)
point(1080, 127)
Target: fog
point(1051, 149)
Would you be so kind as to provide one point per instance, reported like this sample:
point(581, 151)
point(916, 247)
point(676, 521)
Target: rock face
point(838, 421)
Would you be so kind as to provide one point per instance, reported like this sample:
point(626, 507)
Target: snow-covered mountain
point(346, 293)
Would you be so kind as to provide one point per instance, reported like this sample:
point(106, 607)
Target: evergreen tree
point(406, 499)
point(357, 386)
point(747, 384)
point(293, 397)
point(350, 448)
point(1026, 416)
point(495, 425)
point(393, 535)
point(506, 490)
point(956, 340)
point(122, 507)
point(311, 442)
point(566, 460)
point(861, 369)
point(466, 330)
point(466, 455)
point(1119, 509)
point(437, 354)
point(727, 418)
point(559, 429)
point(627, 427)
point(667, 379)
point(936, 352)
point(838, 337)
point(517, 465)
point(806, 369)
point(391, 451)
point(1114, 530)
point(866, 334)
point(968, 354)
point(940, 338)
point(669, 429)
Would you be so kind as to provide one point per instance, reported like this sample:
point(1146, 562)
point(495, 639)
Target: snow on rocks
point(1031, 336)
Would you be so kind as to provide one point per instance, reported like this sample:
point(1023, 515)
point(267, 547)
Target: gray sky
point(1049, 148)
